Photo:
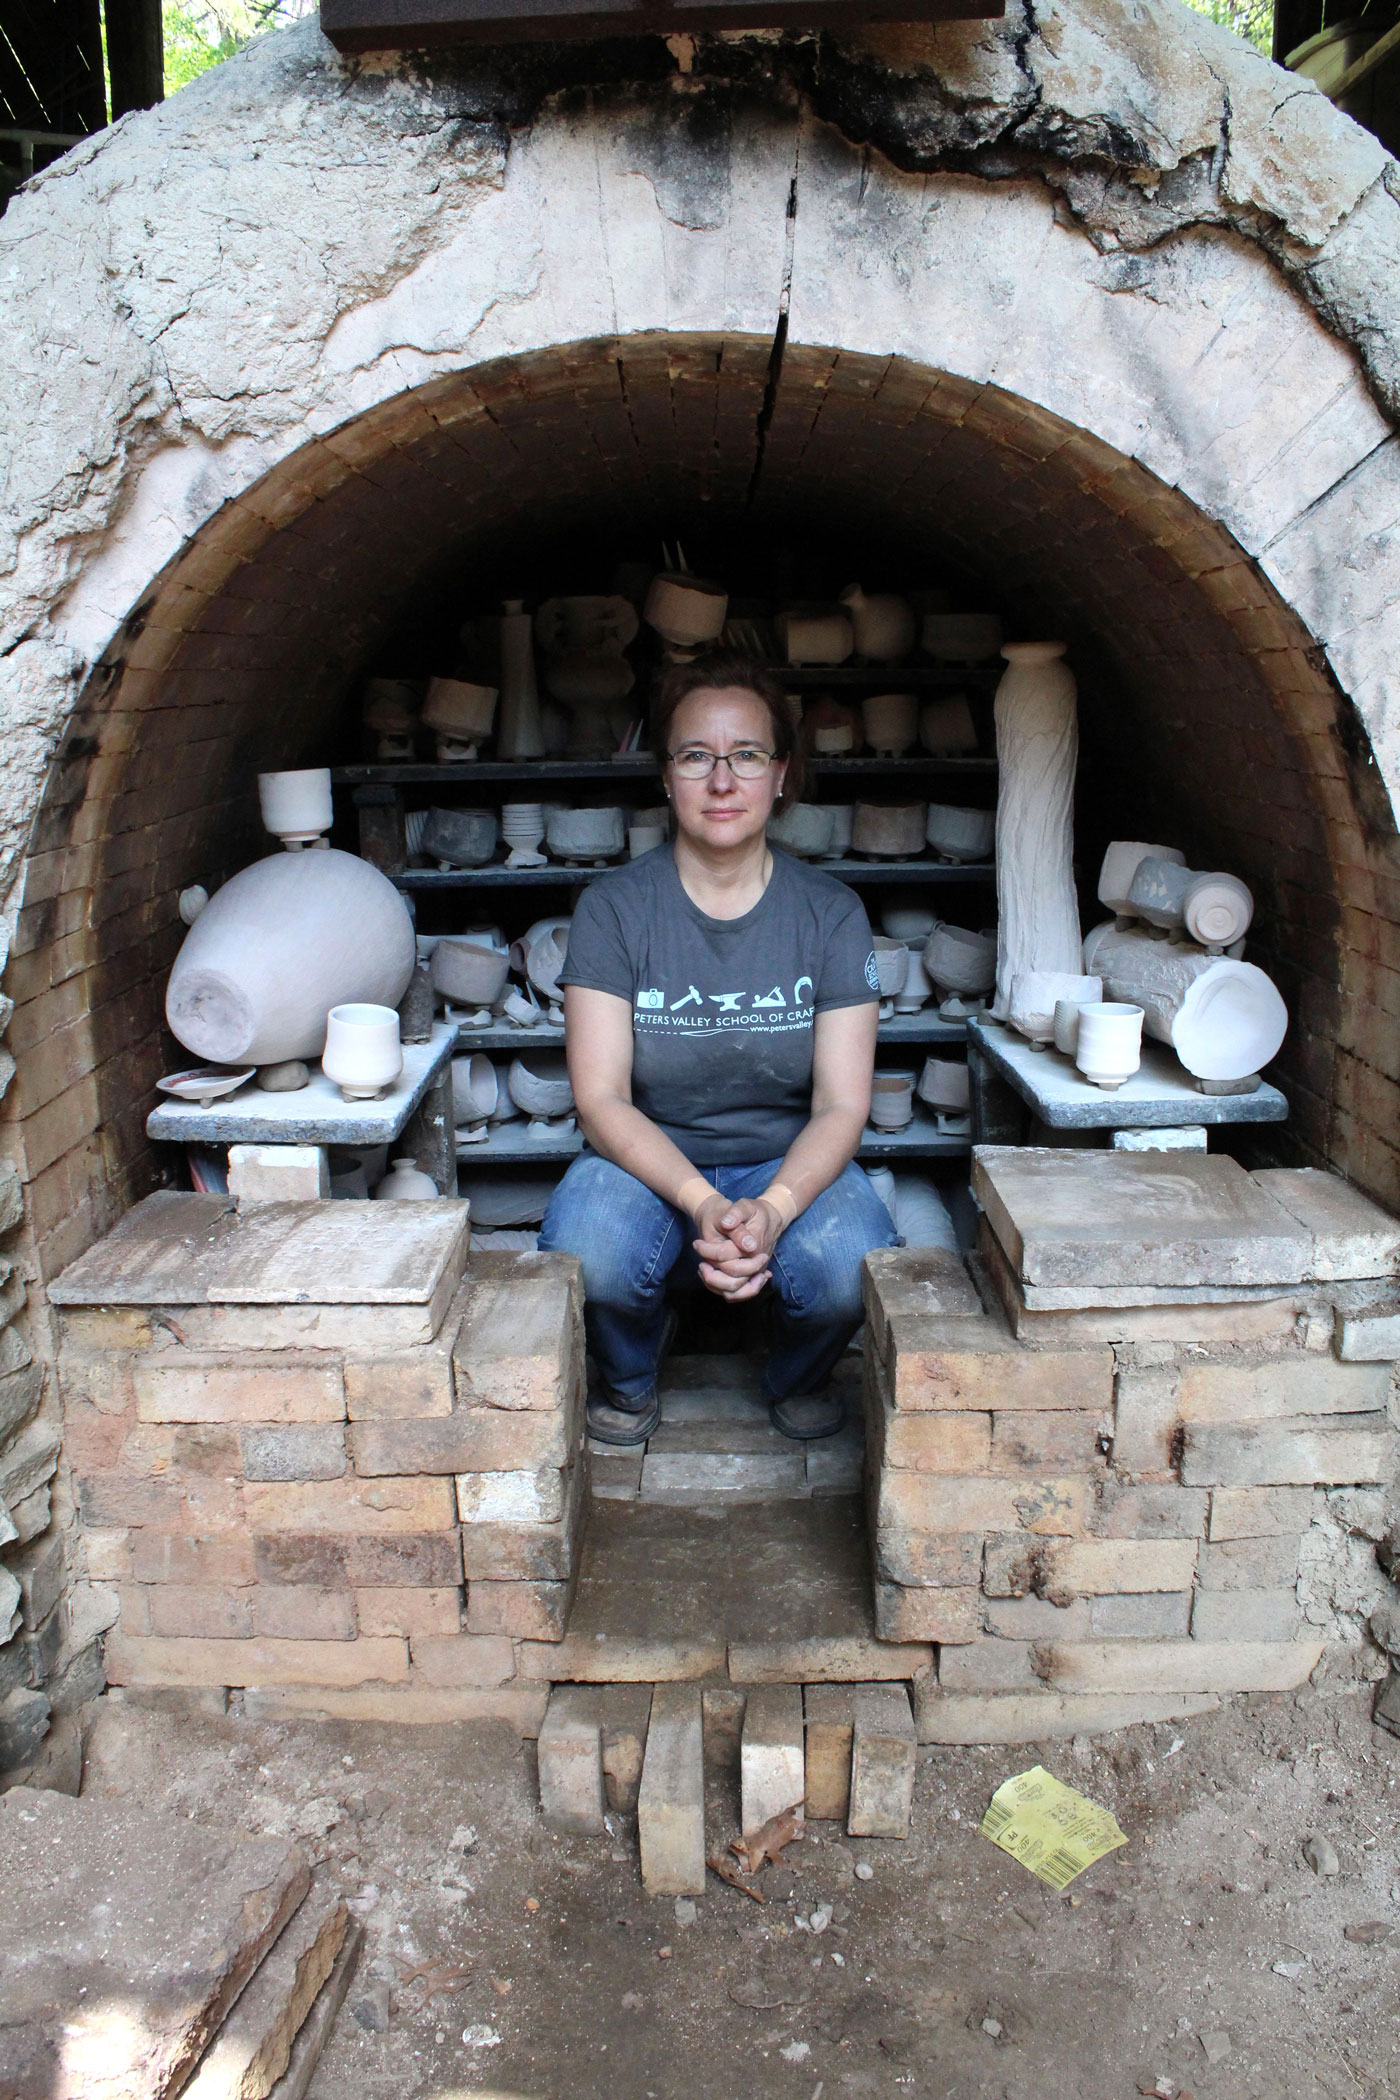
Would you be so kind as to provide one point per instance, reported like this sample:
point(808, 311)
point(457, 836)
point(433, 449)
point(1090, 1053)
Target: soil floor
point(1205, 1956)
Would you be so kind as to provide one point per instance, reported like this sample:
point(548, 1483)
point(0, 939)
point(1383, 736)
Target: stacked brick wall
point(1099, 1531)
point(361, 1530)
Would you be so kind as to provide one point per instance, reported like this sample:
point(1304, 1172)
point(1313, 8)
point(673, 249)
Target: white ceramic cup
point(1067, 1026)
point(363, 1054)
point(1110, 1042)
point(296, 807)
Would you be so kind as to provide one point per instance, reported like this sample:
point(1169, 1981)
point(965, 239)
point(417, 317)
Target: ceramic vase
point(522, 827)
point(961, 638)
point(892, 1100)
point(1120, 865)
point(685, 610)
point(946, 727)
point(521, 732)
point(468, 973)
point(1109, 1047)
point(278, 946)
point(803, 828)
point(460, 838)
point(883, 626)
point(1036, 993)
point(1037, 750)
point(891, 723)
point(296, 807)
point(362, 1052)
point(586, 834)
point(889, 831)
point(960, 834)
point(405, 1182)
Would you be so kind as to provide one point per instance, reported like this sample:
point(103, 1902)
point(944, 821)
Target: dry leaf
point(729, 1873)
point(768, 1842)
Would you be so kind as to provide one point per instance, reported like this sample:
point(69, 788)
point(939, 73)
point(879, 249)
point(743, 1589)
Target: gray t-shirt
point(723, 1010)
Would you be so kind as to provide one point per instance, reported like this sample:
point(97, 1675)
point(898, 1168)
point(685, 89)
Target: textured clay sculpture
point(960, 834)
point(1038, 750)
point(539, 954)
point(296, 807)
point(1035, 994)
point(889, 831)
point(891, 723)
point(1224, 1019)
point(521, 732)
point(278, 946)
point(1215, 910)
point(883, 626)
point(362, 1053)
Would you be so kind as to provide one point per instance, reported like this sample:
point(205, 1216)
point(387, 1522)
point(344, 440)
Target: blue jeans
point(630, 1241)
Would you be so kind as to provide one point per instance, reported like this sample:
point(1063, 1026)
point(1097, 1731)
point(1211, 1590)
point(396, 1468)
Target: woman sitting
point(721, 1008)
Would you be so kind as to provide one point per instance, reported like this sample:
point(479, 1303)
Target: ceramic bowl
point(474, 1088)
point(390, 706)
point(685, 610)
point(460, 711)
point(363, 1054)
point(815, 638)
point(539, 1084)
point(464, 838)
point(943, 1084)
point(506, 1199)
point(1109, 1050)
point(296, 807)
point(469, 973)
point(884, 626)
point(834, 739)
point(586, 834)
point(960, 834)
point(539, 954)
point(961, 961)
point(892, 1100)
point(961, 638)
point(1036, 993)
point(891, 723)
point(889, 831)
point(803, 828)
point(843, 816)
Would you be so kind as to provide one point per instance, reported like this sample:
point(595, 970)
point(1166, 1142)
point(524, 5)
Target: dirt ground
point(1206, 1956)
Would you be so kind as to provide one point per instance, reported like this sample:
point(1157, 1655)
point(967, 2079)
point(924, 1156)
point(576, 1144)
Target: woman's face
point(721, 812)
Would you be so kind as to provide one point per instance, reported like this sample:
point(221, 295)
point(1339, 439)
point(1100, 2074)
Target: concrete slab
point(1161, 1092)
point(253, 2048)
point(316, 2028)
point(1136, 1220)
point(722, 1476)
point(1352, 1236)
point(882, 1762)
point(671, 1804)
point(772, 1776)
point(126, 1904)
point(317, 1114)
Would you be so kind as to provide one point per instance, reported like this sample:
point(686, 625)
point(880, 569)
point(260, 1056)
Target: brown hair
point(716, 670)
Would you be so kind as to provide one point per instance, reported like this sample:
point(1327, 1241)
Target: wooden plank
point(367, 25)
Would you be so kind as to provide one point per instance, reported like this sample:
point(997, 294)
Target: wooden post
point(383, 842)
point(135, 55)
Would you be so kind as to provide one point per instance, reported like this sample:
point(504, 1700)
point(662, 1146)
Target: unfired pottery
point(891, 723)
point(469, 973)
point(891, 964)
point(946, 727)
point(278, 946)
point(803, 828)
point(1109, 1046)
point(1217, 910)
point(204, 1083)
point(405, 1182)
point(458, 711)
point(1156, 891)
point(474, 1088)
point(522, 827)
point(959, 960)
point(539, 954)
point(390, 706)
point(920, 1214)
point(943, 1084)
point(892, 1100)
point(843, 816)
point(539, 1084)
point(586, 834)
point(960, 834)
point(961, 638)
point(889, 831)
point(916, 990)
point(296, 807)
point(362, 1052)
point(685, 610)
point(461, 838)
point(1224, 1019)
point(191, 902)
point(832, 730)
point(815, 638)
point(1036, 993)
point(883, 626)
point(1120, 865)
point(521, 732)
point(1038, 750)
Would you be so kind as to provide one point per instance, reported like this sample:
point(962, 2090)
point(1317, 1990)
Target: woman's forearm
point(621, 1133)
point(822, 1150)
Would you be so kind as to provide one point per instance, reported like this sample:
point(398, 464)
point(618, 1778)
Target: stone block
point(20, 1394)
point(410, 1705)
point(989, 1666)
point(1098, 1567)
point(1036, 1717)
point(40, 1570)
point(1144, 1421)
point(1209, 1318)
point(1160, 1615)
point(188, 1915)
point(1249, 1564)
point(836, 1464)
point(1316, 1450)
point(107, 1552)
point(946, 1442)
point(461, 1659)
point(528, 1497)
point(469, 1440)
point(1246, 1615)
point(1036, 1619)
point(294, 1451)
point(300, 1613)
point(1259, 1512)
point(926, 1614)
point(27, 1464)
point(978, 1365)
point(278, 1173)
point(882, 1762)
point(927, 1559)
point(1351, 1235)
point(829, 1720)
point(1058, 1441)
point(626, 1710)
point(1113, 1219)
point(1159, 1667)
point(829, 1659)
point(409, 1611)
point(521, 1341)
point(771, 1755)
point(671, 1803)
point(1369, 1336)
point(932, 1503)
point(24, 1722)
point(743, 1476)
point(181, 1386)
point(364, 1507)
point(32, 1514)
point(183, 1610)
point(531, 1611)
point(252, 2050)
point(915, 1283)
point(585, 1659)
point(246, 1662)
point(413, 1385)
point(1146, 1512)
point(164, 1556)
point(571, 1761)
point(1296, 1385)
point(616, 1476)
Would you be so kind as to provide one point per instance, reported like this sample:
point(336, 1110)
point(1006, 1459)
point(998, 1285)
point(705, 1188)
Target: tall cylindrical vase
point(1037, 729)
point(519, 730)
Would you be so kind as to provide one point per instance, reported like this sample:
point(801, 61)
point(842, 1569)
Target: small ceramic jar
point(296, 807)
point(363, 1055)
point(406, 1183)
point(892, 1100)
point(1110, 1043)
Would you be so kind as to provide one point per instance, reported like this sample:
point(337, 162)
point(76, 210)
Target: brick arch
point(1209, 712)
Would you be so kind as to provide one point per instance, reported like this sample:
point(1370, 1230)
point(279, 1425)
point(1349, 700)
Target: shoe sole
point(647, 1421)
point(805, 1436)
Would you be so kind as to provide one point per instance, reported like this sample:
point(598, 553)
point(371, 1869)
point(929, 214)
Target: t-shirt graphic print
point(723, 1010)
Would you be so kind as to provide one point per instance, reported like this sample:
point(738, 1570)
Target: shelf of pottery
point(476, 797)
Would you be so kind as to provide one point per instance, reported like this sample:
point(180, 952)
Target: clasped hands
point(735, 1243)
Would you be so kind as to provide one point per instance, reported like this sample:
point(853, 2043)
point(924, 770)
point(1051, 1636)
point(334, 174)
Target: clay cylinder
point(1038, 751)
point(281, 944)
point(1224, 1019)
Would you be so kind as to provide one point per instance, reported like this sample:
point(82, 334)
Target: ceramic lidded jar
point(883, 625)
point(891, 723)
point(296, 807)
point(362, 1054)
point(889, 831)
point(406, 1183)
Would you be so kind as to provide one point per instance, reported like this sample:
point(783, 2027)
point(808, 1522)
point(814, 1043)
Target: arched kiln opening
point(1207, 717)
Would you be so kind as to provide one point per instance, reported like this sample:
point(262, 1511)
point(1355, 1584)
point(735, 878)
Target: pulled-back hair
point(720, 669)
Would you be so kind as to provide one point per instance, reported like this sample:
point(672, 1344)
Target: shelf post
point(383, 840)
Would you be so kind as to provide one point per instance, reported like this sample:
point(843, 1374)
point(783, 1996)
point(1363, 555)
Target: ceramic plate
point(204, 1083)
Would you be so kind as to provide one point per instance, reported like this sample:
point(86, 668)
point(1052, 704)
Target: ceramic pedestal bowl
point(803, 828)
point(586, 834)
point(1120, 865)
point(960, 834)
point(460, 714)
point(468, 973)
point(943, 1084)
point(539, 1084)
point(363, 1054)
point(815, 638)
point(889, 831)
point(296, 807)
point(959, 960)
point(204, 1083)
point(891, 723)
point(685, 610)
point(884, 625)
point(892, 1100)
point(462, 838)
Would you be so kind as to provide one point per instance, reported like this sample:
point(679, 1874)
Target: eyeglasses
point(748, 762)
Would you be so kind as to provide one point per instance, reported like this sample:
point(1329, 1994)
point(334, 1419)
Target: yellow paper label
point(1048, 1827)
